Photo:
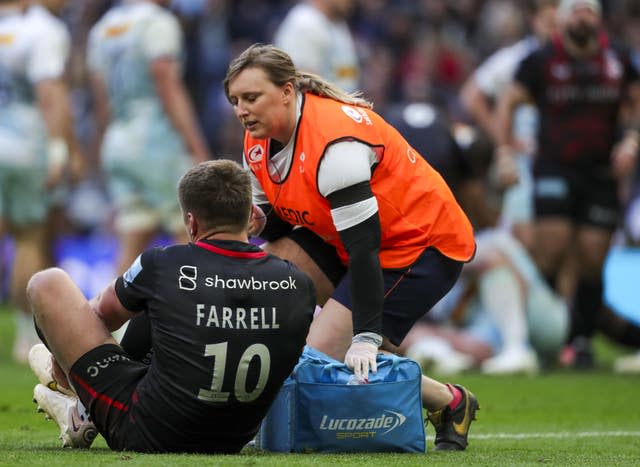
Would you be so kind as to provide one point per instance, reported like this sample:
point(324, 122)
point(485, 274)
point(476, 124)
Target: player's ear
point(192, 226)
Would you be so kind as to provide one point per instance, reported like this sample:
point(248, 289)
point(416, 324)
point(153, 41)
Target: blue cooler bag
point(317, 411)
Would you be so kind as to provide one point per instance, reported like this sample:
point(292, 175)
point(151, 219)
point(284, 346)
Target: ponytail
point(314, 84)
point(280, 69)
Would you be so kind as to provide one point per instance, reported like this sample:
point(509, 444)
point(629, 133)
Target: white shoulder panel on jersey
point(130, 274)
point(344, 164)
point(162, 37)
point(497, 71)
point(51, 45)
point(305, 35)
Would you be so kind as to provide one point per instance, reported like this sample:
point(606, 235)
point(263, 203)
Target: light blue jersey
point(320, 45)
point(34, 46)
point(142, 153)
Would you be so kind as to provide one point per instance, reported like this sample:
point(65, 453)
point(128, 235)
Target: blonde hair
point(279, 67)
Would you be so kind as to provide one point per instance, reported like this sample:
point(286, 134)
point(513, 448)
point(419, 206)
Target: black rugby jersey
point(579, 100)
point(228, 323)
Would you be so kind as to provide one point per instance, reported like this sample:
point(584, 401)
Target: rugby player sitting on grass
point(220, 354)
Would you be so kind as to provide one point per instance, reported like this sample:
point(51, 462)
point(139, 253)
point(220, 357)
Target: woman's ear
point(287, 92)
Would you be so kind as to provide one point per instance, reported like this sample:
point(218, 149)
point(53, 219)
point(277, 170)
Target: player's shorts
point(409, 293)
point(23, 197)
point(517, 204)
point(105, 379)
point(585, 196)
point(142, 175)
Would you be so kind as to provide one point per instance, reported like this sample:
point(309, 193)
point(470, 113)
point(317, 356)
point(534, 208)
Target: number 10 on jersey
point(219, 352)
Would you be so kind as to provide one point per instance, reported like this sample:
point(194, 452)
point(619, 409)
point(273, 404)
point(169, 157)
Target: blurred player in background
point(149, 134)
point(479, 95)
point(36, 140)
point(580, 83)
point(228, 322)
point(316, 35)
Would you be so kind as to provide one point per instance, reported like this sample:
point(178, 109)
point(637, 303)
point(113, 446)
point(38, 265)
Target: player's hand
point(504, 170)
point(623, 157)
point(257, 221)
point(361, 356)
point(57, 159)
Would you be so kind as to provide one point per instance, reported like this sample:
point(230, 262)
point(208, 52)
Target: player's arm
point(520, 90)
point(46, 68)
point(162, 45)
point(99, 92)
point(52, 101)
point(354, 210)
point(101, 110)
point(505, 170)
point(515, 94)
point(126, 296)
point(478, 106)
point(107, 306)
point(176, 103)
point(625, 152)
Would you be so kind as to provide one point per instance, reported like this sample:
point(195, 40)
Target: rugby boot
point(76, 428)
point(452, 425)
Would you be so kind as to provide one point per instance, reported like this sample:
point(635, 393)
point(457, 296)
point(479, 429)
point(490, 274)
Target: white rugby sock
point(502, 297)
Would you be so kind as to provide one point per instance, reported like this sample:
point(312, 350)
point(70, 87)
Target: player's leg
point(26, 210)
point(500, 259)
point(597, 217)
point(71, 329)
point(592, 247)
point(102, 374)
point(29, 258)
point(64, 317)
point(554, 207)
point(553, 237)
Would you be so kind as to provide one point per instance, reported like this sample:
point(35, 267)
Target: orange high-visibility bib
point(416, 207)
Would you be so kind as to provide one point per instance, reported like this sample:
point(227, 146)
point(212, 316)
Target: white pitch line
point(561, 434)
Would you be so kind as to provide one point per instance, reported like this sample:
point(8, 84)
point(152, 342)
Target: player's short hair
point(217, 193)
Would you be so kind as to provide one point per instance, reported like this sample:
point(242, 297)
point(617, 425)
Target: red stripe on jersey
point(233, 254)
point(98, 396)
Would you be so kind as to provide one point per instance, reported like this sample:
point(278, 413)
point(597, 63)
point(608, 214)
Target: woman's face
point(263, 108)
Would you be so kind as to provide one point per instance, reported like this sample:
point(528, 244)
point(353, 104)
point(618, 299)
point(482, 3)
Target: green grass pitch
point(558, 418)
